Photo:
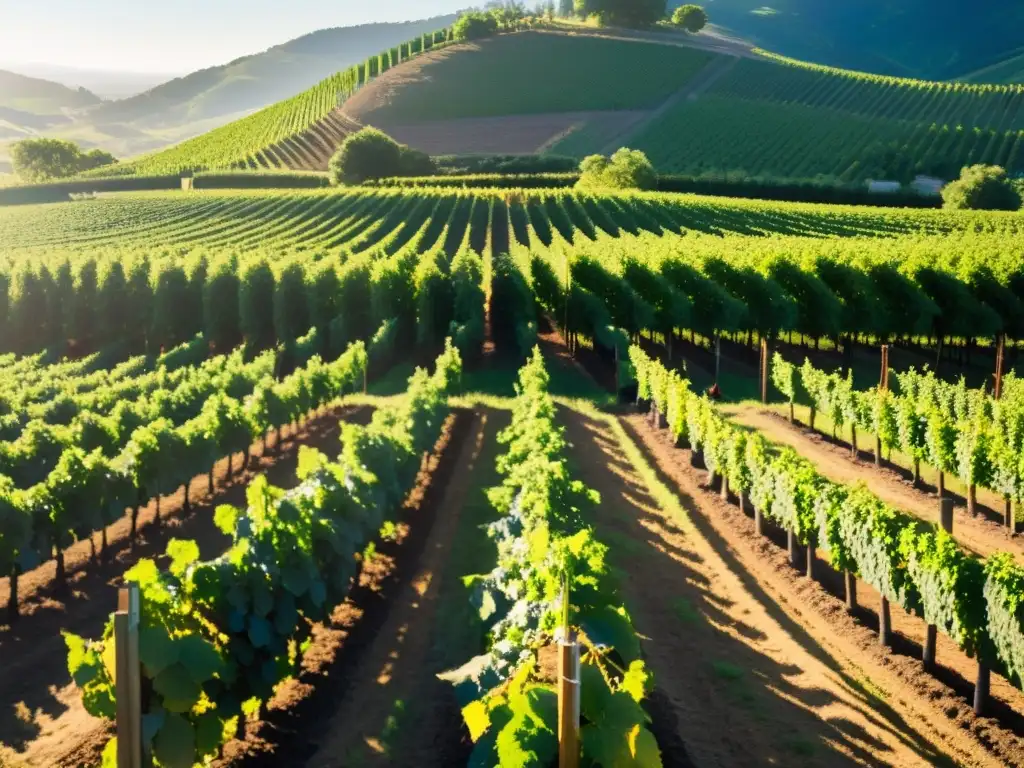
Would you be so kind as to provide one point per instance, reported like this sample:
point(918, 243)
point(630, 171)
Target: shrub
point(626, 169)
point(982, 187)
point(42, 159)
point(412, 162)
point(690, 17)
point(366, 154)
point(475, 25)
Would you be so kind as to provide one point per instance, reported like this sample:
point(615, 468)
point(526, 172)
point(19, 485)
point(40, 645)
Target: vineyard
point(169, 361)
point(762, 116)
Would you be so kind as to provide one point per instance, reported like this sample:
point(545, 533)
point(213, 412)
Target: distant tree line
point(37, 160)
point(508, 15)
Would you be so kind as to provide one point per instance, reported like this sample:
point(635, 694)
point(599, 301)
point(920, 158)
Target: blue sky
point(180, 35)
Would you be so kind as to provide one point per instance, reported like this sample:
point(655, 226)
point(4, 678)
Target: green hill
point(40, 97)
point(253, 82)
point(691, 109)
point(937, 39)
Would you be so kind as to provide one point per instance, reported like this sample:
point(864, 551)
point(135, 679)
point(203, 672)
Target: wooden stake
point(884, 623)
point(946, 515)
point(883, 381)
point(981, 687)
point(794, 551)
point(128, 681)
point(851, 591)
point(568, 703)
point(764, 370)
point(758, 521)
point(929, 648)
point(999, 365)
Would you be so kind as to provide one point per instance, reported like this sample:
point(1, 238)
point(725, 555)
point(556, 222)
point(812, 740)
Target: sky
point(179, 36)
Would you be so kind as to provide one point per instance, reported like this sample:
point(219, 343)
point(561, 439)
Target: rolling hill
point(692, 108)
point(41, 97)
point(936, 39)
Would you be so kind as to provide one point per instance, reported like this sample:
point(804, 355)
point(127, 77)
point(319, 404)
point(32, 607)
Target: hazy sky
point(180, 35)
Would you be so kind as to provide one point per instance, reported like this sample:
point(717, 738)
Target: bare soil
point(981, 534)
point(511, 134)
point(41, 716)
point(395, 709)
point(746, 683)
point(900, 715)
point(336, 674)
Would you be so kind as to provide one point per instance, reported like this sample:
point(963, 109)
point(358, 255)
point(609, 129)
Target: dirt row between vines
point(782, 647)
point(979, 534)
point(41, 716)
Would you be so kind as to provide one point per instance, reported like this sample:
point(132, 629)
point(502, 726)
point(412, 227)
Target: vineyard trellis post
point(128, 677)
point(883, 381)
point(1000, 351)
point(568, 685)
point(764, 370)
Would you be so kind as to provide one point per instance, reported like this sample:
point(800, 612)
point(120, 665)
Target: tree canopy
point(474, 25)
point(692, 18)
point(45, 159)
point(626, 169)
point(372, 154)
point(623, 13)
point(982, 187)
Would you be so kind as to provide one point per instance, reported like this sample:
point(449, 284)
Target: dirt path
point(392, 700)
point(978, 534)
point(697, 86)
point(746, 683)
point(926, 712)
point(41, 715)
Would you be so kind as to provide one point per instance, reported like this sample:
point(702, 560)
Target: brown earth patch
point(929, 710)
point(512, 134)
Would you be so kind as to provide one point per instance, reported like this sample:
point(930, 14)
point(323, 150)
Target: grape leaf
point(198, 657)
point(259, 632)
point(179, 690)
point(175, 743)
point(182, 554)
point(611, 627)
point(157, 651)
point(225, 518)
point(477, 719)
point(295, 580)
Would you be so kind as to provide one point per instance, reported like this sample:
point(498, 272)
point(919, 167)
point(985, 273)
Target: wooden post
point(946, 515)
point(981, 687)
point(794, 550)
point(764, 370)
point(929, 648)
point(758, 521)
point(568, 703)
point(851, 590)
point(999, 365)
point(718, 356)
point(883, 381)
point(128, 682)
point(884, 623)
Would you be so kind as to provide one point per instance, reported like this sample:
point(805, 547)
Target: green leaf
point(157, 651)
point(151, 725)
point(637, 681)
point(477, 719)
point(143, 573)
point(296, 580)
point(209, 733)
point(225, 518)
point(611, 627)
point(175, 743)
point(198, 657)
point(182, 554)
point(259, 632)
point(179, 690)
point(594, 692)
point(487, 605)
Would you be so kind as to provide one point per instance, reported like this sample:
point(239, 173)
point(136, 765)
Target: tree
point(981, 187)
point(44, 159)
point(626, 169)
point(474, 25)
point(690, 17)
point(623, 13)
point(566, 8)
point(412, 162)
point(366, 154)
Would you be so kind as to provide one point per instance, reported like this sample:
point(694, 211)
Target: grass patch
point(685, 611)
point(726, 671)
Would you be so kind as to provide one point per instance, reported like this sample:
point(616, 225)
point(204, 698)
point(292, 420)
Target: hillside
point(938, 40)
point(693, 110)
point(41, 97)
point(202, 101)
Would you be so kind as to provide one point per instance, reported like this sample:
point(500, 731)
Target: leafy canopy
point(372, 154)
point(44, 159)
point(690, 17)
point(626, 169)
point(623, 13)
point(981, 187)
